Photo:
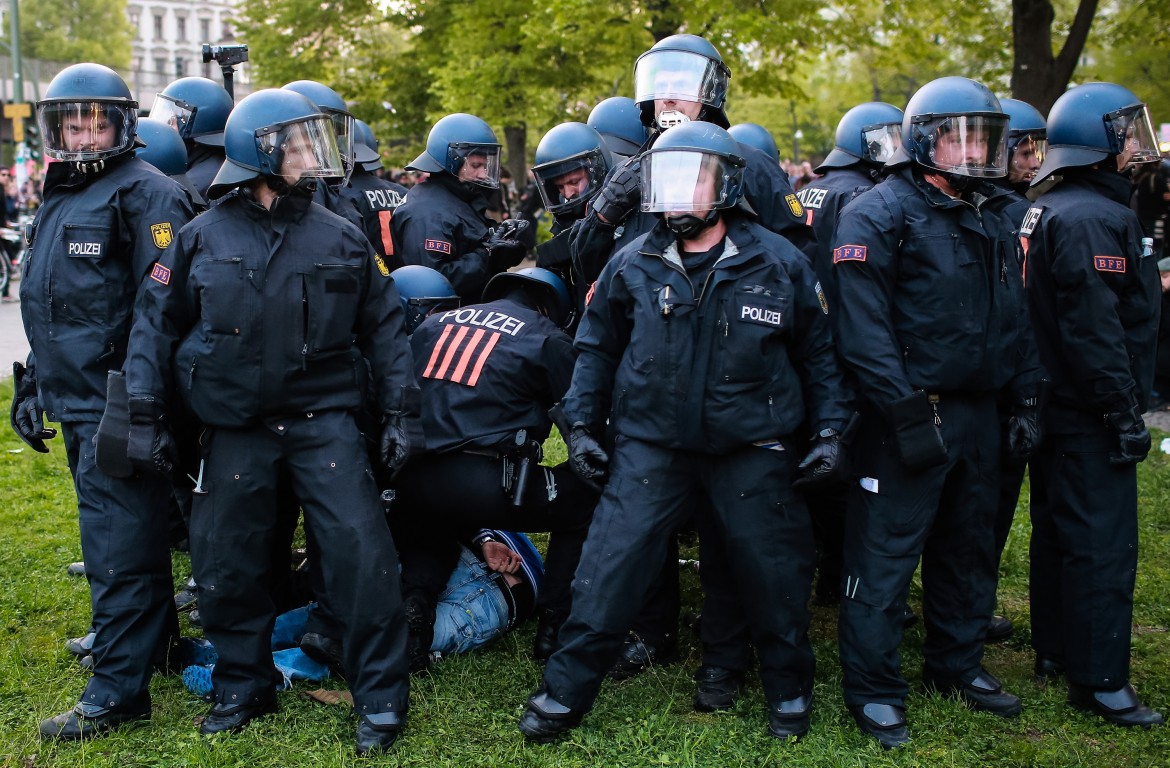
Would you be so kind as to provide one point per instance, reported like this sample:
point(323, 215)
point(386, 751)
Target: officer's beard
point(688, 226)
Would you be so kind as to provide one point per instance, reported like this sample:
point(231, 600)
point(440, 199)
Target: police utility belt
point(518, 462)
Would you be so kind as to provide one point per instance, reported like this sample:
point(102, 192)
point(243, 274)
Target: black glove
point(587, 458)
point(150, 447)
point(503, 244)
point(1133, 439)
point(27, 417)
point(823, 461)
point(395, 446)
point(919, 440)
point(621, 194)
point(1023, 428)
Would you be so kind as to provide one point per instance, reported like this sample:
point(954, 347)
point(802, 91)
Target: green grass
point(465, 713)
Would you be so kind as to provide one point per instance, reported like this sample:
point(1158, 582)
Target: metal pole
point(17, 73)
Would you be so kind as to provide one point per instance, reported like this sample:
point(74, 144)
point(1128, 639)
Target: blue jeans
point(472, 611)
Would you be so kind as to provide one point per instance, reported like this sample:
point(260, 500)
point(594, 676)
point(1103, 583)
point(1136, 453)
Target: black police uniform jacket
point(442, 225)
point(745, 359)
point(1094, 299)
point(766, 190)
point(268, 313)
point(93, 241)
point(374, 200)
point(487, 371)
point(930, 296)
point(823, 200)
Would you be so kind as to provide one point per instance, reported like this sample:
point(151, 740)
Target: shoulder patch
point(821, 298)
point(1031, 219)
point(381, 266)
point(589, 294)
point(1109, 264)
point(850, 253)
point(439, 246)
point(160, 274)
point(794, 205)
point(161, 233)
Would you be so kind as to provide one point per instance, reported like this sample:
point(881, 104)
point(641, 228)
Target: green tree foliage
point(76, 30)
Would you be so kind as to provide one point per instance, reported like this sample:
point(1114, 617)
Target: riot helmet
point(542, 287)
point(571, 165)
point(281, 136)
point(1095, 121)
point(167, 152)
point(423, 290)
point(332, 106)
point(619, 121)
point(365, 147)
point(196, 107)
point(757, 136)
point(954, 126)
point(692, 172)
point(868, 133)
point(1027, 140)
point(87, 116)
point(463, 146)
point(681, 68)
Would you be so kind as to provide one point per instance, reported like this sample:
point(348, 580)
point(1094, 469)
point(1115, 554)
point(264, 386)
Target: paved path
point(13, 344)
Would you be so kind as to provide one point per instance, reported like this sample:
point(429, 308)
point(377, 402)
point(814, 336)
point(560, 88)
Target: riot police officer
point(443, 224)
point(1025, 145)
point(328, 191)
point(197, 108)
point(704, 345)
point(1094, 297)
point(489, 374)
point(270, 310)
point(572, 161)
point(927, 286)
point(866, 137)
point(106, 217)
point(680, 79)
point(374, 198)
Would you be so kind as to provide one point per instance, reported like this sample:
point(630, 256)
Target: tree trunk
point(516, 145)
point(1039, 77)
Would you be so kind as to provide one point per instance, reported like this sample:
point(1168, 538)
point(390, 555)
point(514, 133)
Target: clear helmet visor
point(84, 131)
point(177, 114)
point(679, 75)
point(881, 141)
point(1132, 134)
point(302, 149)
point(686, 181)
point(967, 145)
point(570, 182)
point(343, 128)
point(476, 163)
point(1027, 154)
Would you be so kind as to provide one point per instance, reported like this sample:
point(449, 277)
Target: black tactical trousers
point(233, 526)
point(942, 515)
point(443, 498)
point(763, 525)
point(1084, 557)
point(124, 540)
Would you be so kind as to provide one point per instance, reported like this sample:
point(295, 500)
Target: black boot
point(549, 623)
point(1120, 707)
point(639, 655)
point(546, 718)
point(420, 624)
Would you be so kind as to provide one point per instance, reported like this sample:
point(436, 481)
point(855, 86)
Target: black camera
point(226, 55)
